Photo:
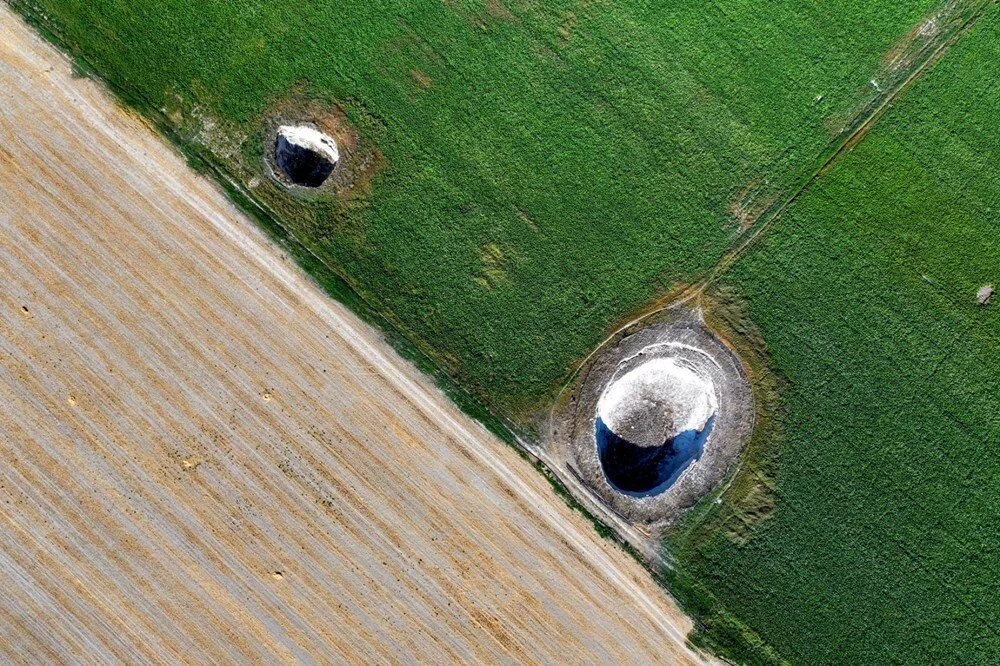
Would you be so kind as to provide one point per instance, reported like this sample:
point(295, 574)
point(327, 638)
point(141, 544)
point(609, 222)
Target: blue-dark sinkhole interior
point(647, 470)
point(301, 165)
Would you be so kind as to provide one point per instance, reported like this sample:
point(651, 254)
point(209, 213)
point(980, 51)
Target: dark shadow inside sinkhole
point(643, 471)
point(301, 165)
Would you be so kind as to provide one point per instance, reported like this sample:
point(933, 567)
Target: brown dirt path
point(206, 460)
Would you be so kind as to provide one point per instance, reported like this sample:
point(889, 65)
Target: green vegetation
point(547, 167)
point(884, 545)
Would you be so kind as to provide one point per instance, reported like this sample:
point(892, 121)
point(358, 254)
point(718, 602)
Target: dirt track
point(204, 459)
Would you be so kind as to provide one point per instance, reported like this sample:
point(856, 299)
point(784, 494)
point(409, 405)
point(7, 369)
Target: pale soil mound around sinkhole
point(658, 421)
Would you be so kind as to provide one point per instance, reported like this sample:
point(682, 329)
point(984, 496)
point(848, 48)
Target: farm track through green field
point(550, 170)
point(920, 60)
point(913, 61)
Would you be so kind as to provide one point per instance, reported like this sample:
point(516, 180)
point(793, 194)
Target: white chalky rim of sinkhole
point(663, 394)
point(311, 139)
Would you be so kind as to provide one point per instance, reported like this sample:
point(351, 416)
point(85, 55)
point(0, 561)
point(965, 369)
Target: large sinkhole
point(305, 156)
point(652, 423)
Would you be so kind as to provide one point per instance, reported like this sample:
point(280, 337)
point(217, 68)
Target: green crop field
point(885, 547)
point(548, 170)
point(548, 167)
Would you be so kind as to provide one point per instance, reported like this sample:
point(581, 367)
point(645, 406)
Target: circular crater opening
point(652, 424)
point(305, 156)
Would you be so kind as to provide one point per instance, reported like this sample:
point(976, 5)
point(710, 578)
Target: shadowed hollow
point(652, 423)
point(305, 155)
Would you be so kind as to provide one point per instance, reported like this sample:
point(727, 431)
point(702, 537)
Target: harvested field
point(207, 460)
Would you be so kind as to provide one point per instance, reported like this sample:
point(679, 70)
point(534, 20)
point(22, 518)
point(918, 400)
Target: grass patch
point(717, 630)
point(607, 150)
point(883, 547)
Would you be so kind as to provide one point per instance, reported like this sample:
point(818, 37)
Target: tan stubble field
point(205, 459)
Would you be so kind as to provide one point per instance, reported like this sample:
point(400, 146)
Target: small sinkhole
point(305, 156)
